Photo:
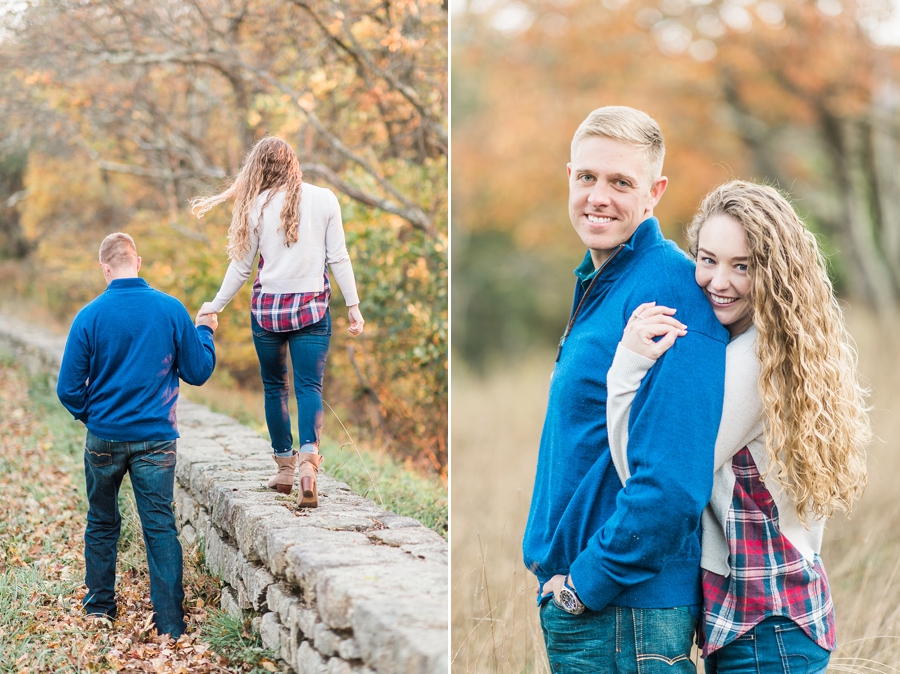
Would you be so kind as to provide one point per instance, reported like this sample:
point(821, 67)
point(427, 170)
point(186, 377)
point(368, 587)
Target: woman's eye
point(742, 267)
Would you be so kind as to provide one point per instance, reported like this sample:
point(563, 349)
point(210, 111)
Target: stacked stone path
point(343, 588)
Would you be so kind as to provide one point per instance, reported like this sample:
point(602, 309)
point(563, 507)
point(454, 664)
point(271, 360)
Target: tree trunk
point(886, 172)
point(870, 276)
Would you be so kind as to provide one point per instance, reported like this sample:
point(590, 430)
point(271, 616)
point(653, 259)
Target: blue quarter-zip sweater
point(125, 352)
point(636, 546)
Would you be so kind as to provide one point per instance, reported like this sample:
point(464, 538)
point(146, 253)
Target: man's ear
point(568, 170)
point(656, 191)
point(138, 268)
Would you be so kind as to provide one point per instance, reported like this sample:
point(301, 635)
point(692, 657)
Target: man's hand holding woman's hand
point(647, 322)
point(206, 316)
point(356, 320)
point(206, 309)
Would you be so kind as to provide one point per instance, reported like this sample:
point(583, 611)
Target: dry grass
point(496, 429)
point(495, 432)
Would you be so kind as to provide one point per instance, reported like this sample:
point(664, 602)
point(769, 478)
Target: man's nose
point(599, 196)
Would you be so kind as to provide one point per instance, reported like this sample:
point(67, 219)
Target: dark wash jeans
point(309, 350)
point(151, 466)
point(618, 640)
point(777, 645)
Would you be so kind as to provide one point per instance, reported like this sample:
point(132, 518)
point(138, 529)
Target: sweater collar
point(127, 284)
point(647, 235)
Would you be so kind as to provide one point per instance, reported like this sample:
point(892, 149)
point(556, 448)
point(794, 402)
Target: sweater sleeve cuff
point(628, 370)
point(219, 303)
point(594, 586)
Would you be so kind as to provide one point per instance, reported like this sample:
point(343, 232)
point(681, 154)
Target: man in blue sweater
point(124, 355)
point(619, 568)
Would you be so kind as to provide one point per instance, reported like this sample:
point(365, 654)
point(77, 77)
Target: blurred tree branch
point(260, 49)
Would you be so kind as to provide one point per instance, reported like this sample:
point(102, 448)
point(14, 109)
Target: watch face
point(569, 601)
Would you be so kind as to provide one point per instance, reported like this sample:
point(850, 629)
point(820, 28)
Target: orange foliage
point(519, 97)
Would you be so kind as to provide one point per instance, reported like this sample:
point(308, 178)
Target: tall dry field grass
point(495, 432)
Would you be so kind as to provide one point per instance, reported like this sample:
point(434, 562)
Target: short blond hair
point(630, 126)
point(117, 249)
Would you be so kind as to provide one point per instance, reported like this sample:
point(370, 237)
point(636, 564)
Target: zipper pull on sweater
point(562, 340)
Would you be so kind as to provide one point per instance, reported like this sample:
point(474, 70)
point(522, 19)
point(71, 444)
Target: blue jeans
point(151, 466)
point(777, 645)
point(309, 350)
point(619, 640)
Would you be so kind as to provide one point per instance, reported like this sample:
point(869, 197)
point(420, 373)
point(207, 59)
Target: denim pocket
point(96, 451)
point(256, 329)
point(663, 640)
point(98, 458)
point(160, 454)
point(320, 327)
point(797, 651)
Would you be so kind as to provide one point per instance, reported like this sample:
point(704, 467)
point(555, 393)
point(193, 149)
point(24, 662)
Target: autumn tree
point(157, 102)
point(816, 103)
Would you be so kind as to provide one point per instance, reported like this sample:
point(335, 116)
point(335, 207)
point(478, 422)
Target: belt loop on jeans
point(637, 621)
point(618, 629)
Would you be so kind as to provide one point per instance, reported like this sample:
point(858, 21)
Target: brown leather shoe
point(309, 468)
point(283, 480)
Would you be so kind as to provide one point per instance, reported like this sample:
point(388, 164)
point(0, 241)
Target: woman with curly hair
point(790, 446)
point(296, 229)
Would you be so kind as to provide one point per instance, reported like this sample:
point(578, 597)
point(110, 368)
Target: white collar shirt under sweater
point(741, 426)
point(299, 268)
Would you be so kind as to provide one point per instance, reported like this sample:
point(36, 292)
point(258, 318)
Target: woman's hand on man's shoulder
point(652, 330)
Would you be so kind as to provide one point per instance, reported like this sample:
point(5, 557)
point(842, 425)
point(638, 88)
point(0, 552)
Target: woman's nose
point(719, 279)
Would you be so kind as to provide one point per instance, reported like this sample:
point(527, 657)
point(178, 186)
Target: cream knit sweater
point(741, 426)
point(299, 268)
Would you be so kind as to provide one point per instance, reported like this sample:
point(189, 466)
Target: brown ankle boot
point(283, 480)
point(309, 467)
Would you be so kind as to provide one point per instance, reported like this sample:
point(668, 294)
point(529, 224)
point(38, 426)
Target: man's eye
point(622, 183)
point(586, 178)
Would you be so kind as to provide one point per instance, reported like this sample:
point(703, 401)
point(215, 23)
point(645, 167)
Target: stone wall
point(345, 587)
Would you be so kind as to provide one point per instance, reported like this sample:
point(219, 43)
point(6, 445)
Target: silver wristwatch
point(567, 599)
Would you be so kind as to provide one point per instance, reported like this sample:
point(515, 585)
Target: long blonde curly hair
point(816, 418)
point(270, 165)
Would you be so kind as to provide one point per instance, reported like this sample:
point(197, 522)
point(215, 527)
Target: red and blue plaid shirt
point(287, 312)
point(769, 576)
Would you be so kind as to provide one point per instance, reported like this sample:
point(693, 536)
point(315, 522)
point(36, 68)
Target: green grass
point(234, 639)
point(24, 592)
point(390, 485)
